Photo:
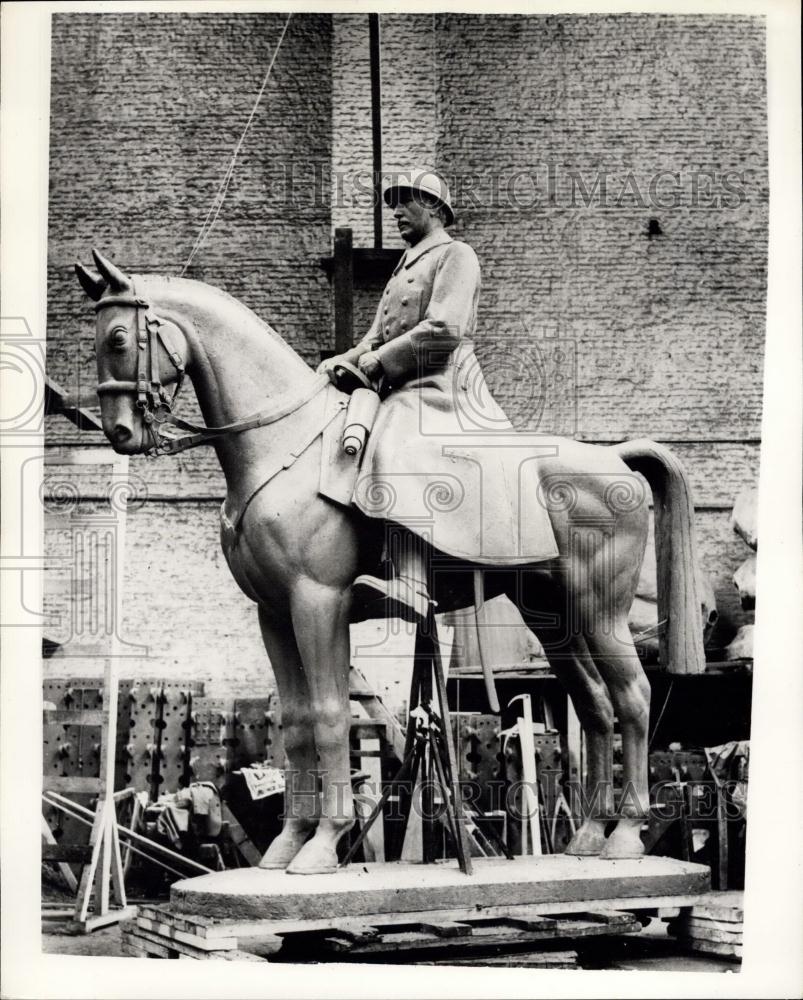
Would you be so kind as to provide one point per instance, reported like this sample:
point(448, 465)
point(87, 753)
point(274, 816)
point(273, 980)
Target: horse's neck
point(238, 364)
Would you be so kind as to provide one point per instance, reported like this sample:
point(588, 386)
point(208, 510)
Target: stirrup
point(393, 598)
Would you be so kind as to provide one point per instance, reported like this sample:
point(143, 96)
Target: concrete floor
point(650, 951)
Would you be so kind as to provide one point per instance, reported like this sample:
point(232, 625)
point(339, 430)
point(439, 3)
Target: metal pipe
point(376, 121)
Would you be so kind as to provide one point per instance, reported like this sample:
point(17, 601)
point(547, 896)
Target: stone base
point(400, 888)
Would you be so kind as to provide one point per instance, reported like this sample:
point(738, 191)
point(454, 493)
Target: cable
point(220, 196)
point(661, 713)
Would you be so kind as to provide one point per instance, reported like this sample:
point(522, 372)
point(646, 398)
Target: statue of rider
point(419, 354)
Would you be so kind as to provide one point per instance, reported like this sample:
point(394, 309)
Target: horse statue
point(295, 553)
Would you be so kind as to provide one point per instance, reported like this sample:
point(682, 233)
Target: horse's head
point(139, 353)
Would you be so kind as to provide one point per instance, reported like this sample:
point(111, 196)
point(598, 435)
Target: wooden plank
point(519, 960)
point(713, 947)
point(579, 926)
point(58, 914)
point(709, 933)
point(112, 916)
point(163, 929)
point(189, 950)
point(141, 947)
point(733, 926)
point(446, 928)
point(721, 906)
point(198, 925)
point(357, 930)
point(534, 922)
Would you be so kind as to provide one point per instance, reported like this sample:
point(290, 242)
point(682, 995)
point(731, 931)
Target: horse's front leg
point(301, 803)
point(320, 616)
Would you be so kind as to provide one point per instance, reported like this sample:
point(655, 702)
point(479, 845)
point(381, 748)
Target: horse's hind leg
point(301, 804)
point(618, 663)
point(572, 664)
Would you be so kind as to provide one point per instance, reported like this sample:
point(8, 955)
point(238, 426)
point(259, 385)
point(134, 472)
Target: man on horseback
point(418, 353)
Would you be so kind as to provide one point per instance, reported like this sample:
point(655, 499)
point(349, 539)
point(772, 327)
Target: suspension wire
point(661, 714)
point(222, 191)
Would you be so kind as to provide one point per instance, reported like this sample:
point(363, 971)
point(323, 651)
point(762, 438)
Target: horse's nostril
point(121, 433)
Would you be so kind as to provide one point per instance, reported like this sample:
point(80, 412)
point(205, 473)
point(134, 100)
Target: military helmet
point(425, 181)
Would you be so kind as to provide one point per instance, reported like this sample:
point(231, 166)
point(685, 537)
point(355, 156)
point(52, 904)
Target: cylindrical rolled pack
point(360, 417)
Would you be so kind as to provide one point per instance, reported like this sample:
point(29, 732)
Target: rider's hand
point(327, 367)
point(370, 365)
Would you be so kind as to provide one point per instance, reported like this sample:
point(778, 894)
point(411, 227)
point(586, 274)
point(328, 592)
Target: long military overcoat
point(442, 458)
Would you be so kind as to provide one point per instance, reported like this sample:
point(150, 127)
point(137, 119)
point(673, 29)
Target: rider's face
point(415, 217)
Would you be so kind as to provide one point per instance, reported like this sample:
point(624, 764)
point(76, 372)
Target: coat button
point(387, 291)
point(410, 281)
point(405, 302)
point(386, 310)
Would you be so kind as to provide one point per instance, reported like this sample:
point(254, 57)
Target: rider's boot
point(404, 595)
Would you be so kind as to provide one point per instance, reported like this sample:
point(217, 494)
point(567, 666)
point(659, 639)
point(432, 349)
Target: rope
point(220, 196)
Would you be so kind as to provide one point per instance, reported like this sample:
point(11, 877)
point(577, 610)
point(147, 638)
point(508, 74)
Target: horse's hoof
point(319, 855)
point(624, 843)
point(588, 842)
point(318, 862)
point(324, 870)
point(283, 849)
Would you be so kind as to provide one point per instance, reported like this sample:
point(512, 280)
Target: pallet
point(159, 933)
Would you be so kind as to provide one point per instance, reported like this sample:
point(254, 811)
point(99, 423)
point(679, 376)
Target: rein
point(153, 401)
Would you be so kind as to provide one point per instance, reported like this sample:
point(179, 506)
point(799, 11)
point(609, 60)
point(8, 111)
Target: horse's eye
point(118, 337)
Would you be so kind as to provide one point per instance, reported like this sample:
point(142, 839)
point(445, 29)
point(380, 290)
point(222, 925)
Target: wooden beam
point(343, 289)
point(58, 400)
point(371, 264)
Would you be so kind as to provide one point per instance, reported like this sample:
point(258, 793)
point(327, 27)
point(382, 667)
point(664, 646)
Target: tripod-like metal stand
point(429, 754)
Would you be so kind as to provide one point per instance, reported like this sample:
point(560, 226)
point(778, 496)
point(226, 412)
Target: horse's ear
point(118, 281)
point(91, 282)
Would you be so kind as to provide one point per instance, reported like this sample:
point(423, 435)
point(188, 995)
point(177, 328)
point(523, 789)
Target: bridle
point(154, 403)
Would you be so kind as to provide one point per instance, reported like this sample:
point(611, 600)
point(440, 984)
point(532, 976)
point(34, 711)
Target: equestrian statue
point(438, 494)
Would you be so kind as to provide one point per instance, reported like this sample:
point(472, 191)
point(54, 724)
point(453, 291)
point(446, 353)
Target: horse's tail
point(679, 606)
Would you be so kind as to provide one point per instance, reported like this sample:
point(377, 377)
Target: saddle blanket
point(471, 493)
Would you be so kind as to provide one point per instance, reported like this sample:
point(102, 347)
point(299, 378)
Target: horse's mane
point(202, 288)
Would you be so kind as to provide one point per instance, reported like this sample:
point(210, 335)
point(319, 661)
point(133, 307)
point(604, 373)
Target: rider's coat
point(442, 458)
